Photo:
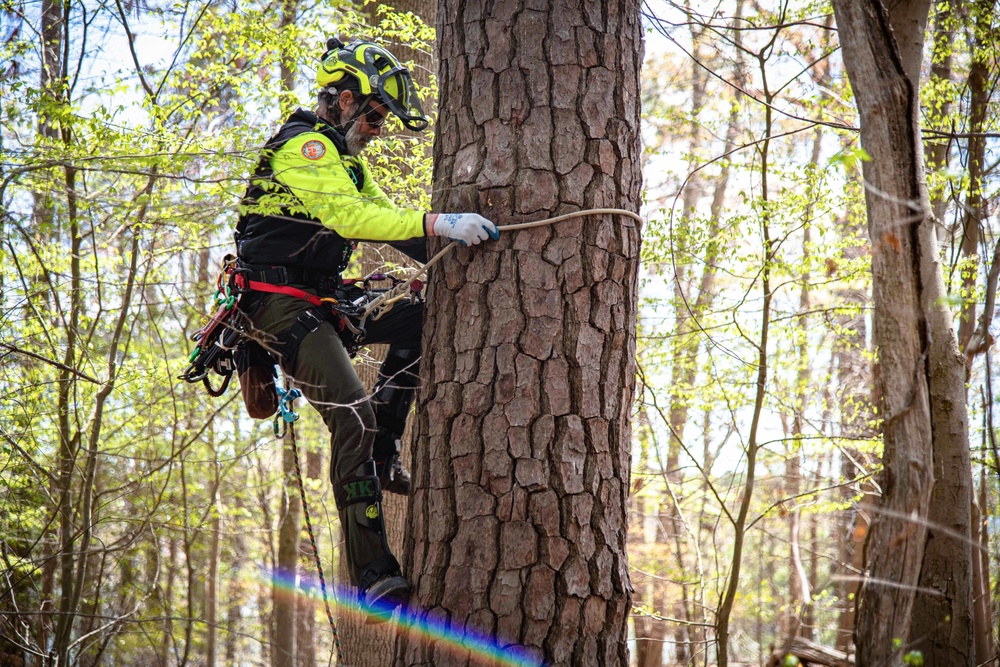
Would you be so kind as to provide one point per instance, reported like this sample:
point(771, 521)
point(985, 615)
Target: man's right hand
point(466, 228)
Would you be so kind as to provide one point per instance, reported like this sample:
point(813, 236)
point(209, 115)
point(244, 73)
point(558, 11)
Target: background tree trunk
point(285, 577)
point(919, 584)
point(309, 590)
point(212, 583)
point(518, 512)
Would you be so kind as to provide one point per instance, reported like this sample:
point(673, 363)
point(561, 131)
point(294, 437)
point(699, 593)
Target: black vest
point(291, 239)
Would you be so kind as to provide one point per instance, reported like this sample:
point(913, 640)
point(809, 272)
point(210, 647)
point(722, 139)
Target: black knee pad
point(399, 376)
point(359, 499)
point(386, 444)
point(361, 487)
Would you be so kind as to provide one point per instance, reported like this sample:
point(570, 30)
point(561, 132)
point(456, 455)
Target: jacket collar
point(319, 125)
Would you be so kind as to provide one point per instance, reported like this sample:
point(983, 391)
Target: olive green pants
point(324, 374)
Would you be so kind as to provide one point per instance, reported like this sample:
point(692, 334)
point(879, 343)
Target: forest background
point(140, 521)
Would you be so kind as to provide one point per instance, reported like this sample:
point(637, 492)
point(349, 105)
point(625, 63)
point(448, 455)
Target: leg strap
point(387, 564)
point(289, 341)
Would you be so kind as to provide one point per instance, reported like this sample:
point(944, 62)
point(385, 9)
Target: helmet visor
point(396, 90)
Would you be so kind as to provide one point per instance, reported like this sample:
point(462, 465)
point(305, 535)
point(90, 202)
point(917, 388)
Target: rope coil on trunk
point(384, 303)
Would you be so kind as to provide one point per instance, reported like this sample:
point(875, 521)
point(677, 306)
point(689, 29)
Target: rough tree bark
point(919, 584)
point(522, 457)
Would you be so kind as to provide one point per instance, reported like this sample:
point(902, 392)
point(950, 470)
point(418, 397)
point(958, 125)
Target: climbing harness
point(345, 308)
point(225, 334)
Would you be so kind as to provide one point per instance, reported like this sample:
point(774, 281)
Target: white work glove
point(466, 228)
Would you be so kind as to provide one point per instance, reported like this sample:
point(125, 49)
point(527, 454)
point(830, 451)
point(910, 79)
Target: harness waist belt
point(290, 275)
point(244, 283)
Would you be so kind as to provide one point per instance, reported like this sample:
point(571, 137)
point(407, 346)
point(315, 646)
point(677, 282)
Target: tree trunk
point(309, 589)
point(939, 114)
point(212, 588)
point(920, 580)
point(985, 630)
point(975, 203)
point(285, 577)
point(236, 593)
point(518, 512)
point(855, 392)
point(168, 596)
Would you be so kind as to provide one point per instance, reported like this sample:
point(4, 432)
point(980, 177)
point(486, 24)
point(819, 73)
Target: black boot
point(373, 568)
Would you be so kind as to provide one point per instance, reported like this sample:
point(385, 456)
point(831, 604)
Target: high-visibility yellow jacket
point(308, 201)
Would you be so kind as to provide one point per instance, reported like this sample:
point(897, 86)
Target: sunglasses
point(374, 118)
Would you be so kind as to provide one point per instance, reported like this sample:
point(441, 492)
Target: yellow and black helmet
point(376, 74)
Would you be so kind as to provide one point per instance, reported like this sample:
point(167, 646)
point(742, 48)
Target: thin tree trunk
point(284, 584)
point(854, 382)
point(983, 629)
point(920, 581)
point(309, 583)
point(187, 542)
point(984, 556)
point(212, 585)
point(167, 609)
point(285, 579)
point(799, 587)
point(752, 446)
point(650, 632)
point(809, 615)
point(975, 204)
point(235, 593)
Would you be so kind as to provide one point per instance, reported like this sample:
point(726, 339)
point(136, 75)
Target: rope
point(384, 303)
point(315, 550)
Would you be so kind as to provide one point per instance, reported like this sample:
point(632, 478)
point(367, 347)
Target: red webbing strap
point(258, 286)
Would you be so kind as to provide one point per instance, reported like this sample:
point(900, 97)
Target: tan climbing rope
point(384, 303)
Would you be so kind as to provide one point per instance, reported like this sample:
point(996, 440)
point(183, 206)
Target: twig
point(51, 362)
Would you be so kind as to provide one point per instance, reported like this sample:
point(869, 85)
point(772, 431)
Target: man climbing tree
point(310, 198)
point(517, 517)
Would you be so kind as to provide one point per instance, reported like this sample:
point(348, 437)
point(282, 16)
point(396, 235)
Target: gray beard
point(356, 140)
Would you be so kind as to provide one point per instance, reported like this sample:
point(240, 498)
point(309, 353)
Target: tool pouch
point(256, 372)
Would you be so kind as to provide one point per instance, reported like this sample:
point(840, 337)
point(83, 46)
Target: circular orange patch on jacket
point(313, 150)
